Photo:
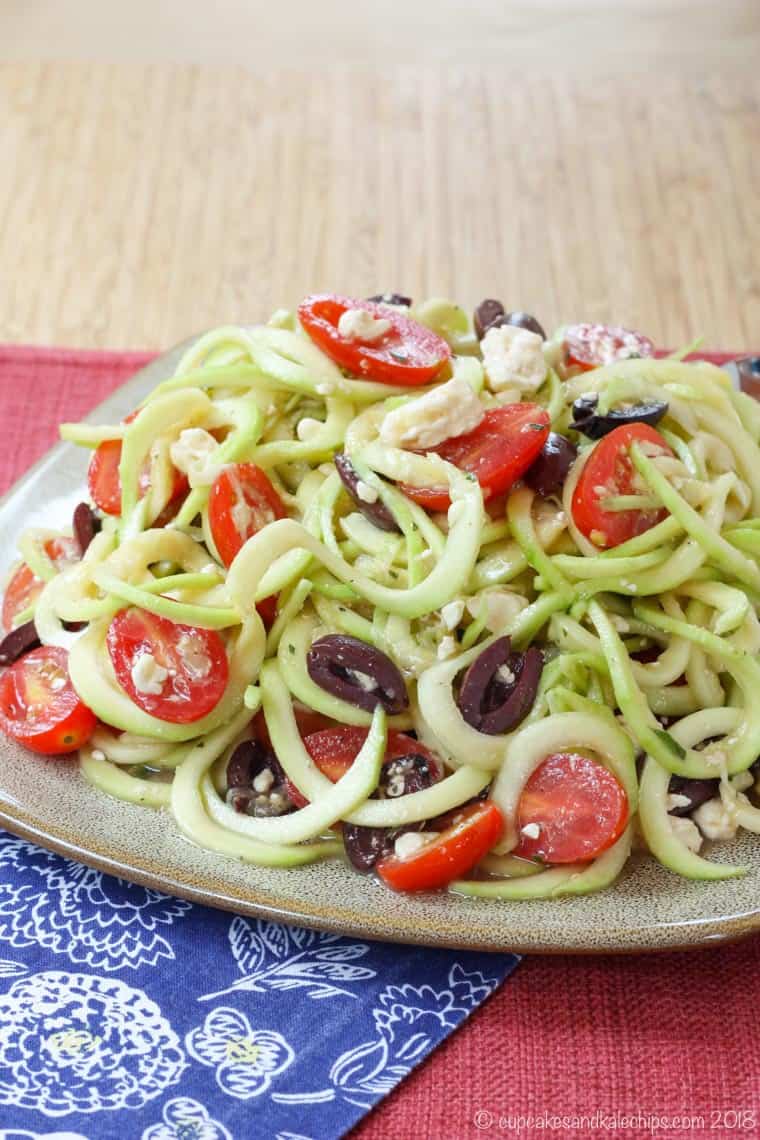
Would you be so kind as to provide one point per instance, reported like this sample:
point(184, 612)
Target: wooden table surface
point(167, 167)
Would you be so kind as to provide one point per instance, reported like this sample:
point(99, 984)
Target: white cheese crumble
point(307, 428)
point(359, 324)
point(190, 649)
point(715, 820)
point(264, 781)
point(676, 800)
point(147, 675)
point(192, 454)
point(513, 357)
point(451, 613)
point(448, 410)
point(366, 683)
point(531, 830)
point(411, 842)
point(366, 493)
point(505, 674)
point(98, 754)
point(447, 648)
point(686, 831)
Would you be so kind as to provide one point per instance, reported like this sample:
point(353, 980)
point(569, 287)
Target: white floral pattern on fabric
point(274, 957)
point(245, 1059)
point(79, 1043)
point(186, 1119)
point(96, 920)
point(408, 1020)
point(22, 1134)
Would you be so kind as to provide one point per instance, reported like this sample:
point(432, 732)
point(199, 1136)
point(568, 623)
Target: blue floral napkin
point(124, 1013)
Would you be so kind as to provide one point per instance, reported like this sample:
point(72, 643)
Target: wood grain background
point(168, 167)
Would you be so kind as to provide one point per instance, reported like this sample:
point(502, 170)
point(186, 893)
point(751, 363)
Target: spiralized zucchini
point(663, 625)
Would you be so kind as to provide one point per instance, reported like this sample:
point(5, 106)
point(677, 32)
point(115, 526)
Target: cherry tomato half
point(408, 354)
point(592, 346)
point(467, 836)
point(39, 706)
point(578, 806)
point(193, 668)
point(242, 502)
point(609, 471)
point(25, 587)
point(103, 480)
point(334, 750)
point(498, 451)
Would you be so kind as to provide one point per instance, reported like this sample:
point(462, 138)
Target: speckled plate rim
point(378, 922)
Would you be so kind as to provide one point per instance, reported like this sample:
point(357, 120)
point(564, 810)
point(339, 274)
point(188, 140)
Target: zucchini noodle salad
point(472, 607)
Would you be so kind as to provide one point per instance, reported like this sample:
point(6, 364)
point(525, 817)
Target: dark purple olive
point(748, 371)
point(17, 642)
point(697, 792)
point(86, 525)
point(525, 321)
point(376, 512)
point(499, 688)
point(391, 299)
point(484, 316)
point(365, 845)
point(546, 476)
point(586, 420)
point(406, 774)
point(356, 672)
point(253, 764)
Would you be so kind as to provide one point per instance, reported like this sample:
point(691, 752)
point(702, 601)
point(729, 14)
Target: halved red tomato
point(573, 809)
point(408, 354)
point(39, 706)
point(25, 587)
point(592, 346)
point(465, 837)
point(498, 451)
point(609, 471)
point(103, 480)
point(242, 502)
point(334, 750)
point(175, 672)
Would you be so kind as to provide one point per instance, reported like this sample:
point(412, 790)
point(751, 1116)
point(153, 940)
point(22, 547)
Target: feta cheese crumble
point(686, 831)
point(513, 358)
point(411, 842)
point(448, 410)
point(192, 454)
point(451, 613)
point(359, 324)
point(147, 675)
point(715, 820)
point(190, 649)
point(447, 648)
point(531, 831)
point(263, 781)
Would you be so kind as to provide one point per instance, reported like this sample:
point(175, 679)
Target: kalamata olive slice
point(499, 688)
point(406, 774)
point(19, 641)
point(256, 782)
point(484, 316)
point(356, 672)
point(86, 525)
point(491, 314)
point(526, 321)
point(376, 511)
point(697, 792)
point(547, 474)
point(365, 845)
point(748, 372)
point(391, 299)
point(586, 420)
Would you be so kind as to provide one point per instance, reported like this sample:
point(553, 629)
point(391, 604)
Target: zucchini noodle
point(649, 663)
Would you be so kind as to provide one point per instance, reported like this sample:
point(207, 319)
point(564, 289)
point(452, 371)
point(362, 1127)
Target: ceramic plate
point(48, 802)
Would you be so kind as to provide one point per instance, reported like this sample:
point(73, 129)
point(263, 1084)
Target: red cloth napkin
point(572, 1047)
